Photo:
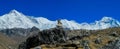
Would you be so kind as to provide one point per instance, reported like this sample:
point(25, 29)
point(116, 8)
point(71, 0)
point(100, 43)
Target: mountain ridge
point(15, 19)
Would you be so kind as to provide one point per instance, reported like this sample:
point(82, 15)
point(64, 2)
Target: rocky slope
point(58, 38)
point(7, 43)
point(11, 38)
point(17, 29)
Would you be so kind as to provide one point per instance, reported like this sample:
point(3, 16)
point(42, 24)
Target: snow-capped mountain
point(15, 19)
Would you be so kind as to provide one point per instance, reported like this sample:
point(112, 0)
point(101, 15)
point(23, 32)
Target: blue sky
point(78, 10)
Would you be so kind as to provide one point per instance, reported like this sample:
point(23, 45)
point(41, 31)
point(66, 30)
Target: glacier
point(15, 19)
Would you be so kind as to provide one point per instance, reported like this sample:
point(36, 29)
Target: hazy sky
point(78, 10)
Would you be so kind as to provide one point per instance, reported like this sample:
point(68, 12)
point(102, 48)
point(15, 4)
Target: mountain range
point(15, 19)
point(17, 28)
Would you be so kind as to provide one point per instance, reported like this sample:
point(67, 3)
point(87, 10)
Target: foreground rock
point(59, 38)
point(52, 36)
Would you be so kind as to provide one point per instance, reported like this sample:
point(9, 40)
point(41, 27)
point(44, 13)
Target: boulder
point(98, 41)
point(114, 34)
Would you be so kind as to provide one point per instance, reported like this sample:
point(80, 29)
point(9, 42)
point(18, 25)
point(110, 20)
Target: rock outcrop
point(51, 36)
point(60, 38)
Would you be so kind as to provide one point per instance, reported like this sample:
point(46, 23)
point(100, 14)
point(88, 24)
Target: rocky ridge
point(58, 38)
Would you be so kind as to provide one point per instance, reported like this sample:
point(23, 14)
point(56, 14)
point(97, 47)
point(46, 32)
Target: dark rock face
point(30, 42)
point(22, 46)
point(52, 36)
point(33, 29)
point(33, 41)
point(112, 44)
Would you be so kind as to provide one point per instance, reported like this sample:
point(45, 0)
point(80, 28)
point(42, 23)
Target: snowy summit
point(15, 19)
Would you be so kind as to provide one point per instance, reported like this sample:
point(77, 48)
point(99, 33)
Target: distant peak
point(105, 18)
point(15, 12)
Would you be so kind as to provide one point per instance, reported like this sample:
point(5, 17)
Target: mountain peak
point(105, 18)
point(16, 19)
point(15, 12)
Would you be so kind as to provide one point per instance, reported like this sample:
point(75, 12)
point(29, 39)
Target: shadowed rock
point(51, 36)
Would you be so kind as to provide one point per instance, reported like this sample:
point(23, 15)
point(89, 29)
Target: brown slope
point(6, 42)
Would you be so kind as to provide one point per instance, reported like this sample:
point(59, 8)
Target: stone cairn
point(59, 24)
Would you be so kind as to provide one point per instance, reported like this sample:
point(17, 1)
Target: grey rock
point(98, 41)
point(114, 34)
point(51, 36)
point(86, 47)
point(112, 44)
point(37, 47)
point(85, 44)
